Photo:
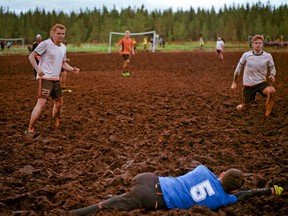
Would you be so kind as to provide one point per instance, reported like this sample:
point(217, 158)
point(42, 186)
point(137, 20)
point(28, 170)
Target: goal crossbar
point(13, 39)
point(132, 34)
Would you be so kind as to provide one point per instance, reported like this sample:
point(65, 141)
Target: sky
point(68, 6)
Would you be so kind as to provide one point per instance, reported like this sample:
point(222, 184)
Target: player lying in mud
point(198, 187)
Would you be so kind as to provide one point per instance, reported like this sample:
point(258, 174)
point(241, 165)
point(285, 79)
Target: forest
point(233, 22)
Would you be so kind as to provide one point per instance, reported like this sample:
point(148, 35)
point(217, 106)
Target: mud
point(174, 109)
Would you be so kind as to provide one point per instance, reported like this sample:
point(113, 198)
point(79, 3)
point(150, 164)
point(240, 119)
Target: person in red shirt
point(125, 47)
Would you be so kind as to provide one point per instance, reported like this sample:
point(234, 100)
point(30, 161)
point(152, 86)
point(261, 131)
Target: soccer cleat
point(67, 90)
point(123, 73)
point(127, 73)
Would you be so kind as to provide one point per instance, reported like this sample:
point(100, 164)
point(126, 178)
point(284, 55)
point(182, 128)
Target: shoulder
point(46, 42)
point(202, 168)
point(63, 45)
point(267, 54)
point(248, 53)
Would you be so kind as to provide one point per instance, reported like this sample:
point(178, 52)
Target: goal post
point(13, 39)
point(155, 38)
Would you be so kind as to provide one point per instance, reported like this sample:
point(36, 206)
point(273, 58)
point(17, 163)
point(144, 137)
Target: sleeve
point(243, 195)
point(41, 48)
point(65, 55)
point(120, 42)
point(271, 66)
point(240, 64)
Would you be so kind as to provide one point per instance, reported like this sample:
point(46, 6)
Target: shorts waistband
point(160, 202)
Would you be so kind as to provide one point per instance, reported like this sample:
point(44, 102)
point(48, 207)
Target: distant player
point(63, 78)
point(125, 47)
point(220, 48)
point(201, 42)
point(34, 45)
point(145, 42)
point(256, 65)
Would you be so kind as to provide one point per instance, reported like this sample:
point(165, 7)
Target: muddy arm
point(243, 195)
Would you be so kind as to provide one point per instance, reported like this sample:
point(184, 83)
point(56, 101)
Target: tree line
point(234, 23)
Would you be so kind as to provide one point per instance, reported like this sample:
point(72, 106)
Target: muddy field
point(175, 108)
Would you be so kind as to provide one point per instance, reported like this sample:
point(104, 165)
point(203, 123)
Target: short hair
point(232, 180)
point(257, 37)
point(127, 32)
point(60, 26)
point(38, 36)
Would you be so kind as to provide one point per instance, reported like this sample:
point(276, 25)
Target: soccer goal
point(155, 38)
point(13, 41)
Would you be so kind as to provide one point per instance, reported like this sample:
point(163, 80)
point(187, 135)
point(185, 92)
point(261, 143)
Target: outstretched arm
point(238, 70)
point(67, 67)
point(243, 195)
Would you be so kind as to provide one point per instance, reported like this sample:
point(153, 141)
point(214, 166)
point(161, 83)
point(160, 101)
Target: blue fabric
point(198, 187)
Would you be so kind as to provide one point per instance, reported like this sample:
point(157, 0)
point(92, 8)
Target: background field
point(176, 107)
point(169, 47)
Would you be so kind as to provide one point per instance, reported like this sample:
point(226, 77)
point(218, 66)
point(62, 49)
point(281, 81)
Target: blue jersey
point(198, 187)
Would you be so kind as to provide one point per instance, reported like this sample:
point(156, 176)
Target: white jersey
point(52, 57)
point(219, 45)
point(256, 67)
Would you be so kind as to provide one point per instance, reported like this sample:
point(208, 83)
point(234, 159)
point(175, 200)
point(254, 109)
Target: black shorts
point(125, 56)
point(249, 92)
point(49, 87)
point(145, 193)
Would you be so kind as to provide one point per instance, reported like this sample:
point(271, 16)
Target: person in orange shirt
point(125, 47)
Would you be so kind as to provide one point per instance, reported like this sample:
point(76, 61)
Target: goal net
point(150, 33)
point(13, 41)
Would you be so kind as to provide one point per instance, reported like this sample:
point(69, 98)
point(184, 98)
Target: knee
point(41, 102)
point(270, 91)
point(58, 101)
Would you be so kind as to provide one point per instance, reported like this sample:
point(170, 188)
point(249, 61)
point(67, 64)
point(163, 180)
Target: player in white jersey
point(53, 57)
point(257, 63)
point(220, 48)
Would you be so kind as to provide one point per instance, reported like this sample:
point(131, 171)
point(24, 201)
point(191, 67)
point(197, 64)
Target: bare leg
point(269, 104)
point(63, 79)
point(270, 92)
point(41, 102)
point(221, 55)
point(125, 65)
point(57, 110)
point(127, 62)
